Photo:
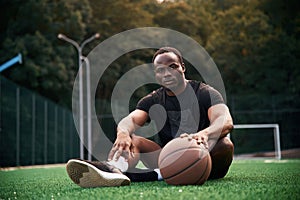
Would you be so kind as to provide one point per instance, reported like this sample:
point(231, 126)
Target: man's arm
point(220, 122)
point(133, 121)
point(220, 125)
point(126, 127)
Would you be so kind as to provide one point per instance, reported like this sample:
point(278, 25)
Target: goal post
point(275, 128)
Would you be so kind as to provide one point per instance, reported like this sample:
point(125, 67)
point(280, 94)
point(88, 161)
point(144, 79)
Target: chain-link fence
point(248, 108)
point(283, 110)
point(34, 130)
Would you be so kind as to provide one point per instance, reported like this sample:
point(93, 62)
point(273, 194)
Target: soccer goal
point(276, 135)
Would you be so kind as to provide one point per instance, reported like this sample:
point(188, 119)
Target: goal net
point(256, 141)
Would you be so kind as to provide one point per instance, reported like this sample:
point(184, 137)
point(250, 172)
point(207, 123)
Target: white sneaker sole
point(86, 175)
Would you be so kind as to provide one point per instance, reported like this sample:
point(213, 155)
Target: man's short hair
point(166, 50)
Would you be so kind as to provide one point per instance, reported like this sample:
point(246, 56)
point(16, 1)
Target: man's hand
point(201, 138)
point(122, 146)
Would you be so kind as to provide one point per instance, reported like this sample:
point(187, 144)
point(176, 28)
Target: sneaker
point(95, 174)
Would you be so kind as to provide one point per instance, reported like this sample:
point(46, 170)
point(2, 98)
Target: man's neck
point(178, 91)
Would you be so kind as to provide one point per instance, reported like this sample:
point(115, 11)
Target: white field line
point(33, 167)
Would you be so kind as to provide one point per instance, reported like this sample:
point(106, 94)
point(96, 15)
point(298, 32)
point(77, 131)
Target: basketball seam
point(202, 173)
point(183, 169)
point(176, 152)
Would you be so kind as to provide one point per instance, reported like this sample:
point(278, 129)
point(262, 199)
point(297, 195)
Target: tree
point(32, 30)
point(113, 17)
point(283, 49)
point(237, 47)
point(178, 16)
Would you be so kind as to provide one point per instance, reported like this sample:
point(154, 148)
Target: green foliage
point(177, 16)
point(254, 43)
point(253, 55)
point(32, 29)
point(242, 32)
point(112, 17)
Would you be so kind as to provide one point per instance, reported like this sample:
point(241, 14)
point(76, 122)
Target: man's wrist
point(124, 132)
point(203, 133)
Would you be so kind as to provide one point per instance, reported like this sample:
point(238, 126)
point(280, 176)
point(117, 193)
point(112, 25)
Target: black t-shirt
point(184, 113)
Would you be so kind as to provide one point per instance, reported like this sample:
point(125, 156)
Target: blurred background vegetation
point(255, 44)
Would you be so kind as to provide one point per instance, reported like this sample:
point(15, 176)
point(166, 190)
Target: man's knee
point(136, 140)
point(227, 145)
point(222, 156)
point(144, 145)
point(147, 150)
point(223, 146)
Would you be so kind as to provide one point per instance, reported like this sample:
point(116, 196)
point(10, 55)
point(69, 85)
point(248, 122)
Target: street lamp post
point(80, 59)
point(88, 104)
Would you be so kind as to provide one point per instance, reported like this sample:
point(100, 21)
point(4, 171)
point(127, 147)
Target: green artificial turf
point(250, 179)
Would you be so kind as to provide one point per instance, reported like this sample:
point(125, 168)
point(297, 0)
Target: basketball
point(184, 162)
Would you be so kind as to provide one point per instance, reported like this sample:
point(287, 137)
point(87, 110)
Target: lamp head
point(97, 35)
point(60, 36)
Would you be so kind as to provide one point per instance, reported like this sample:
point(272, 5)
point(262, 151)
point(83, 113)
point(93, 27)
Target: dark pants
point(221, 155)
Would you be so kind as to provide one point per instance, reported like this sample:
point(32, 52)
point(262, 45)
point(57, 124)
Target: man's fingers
point(122, 148)
point(129, 151)
point(189, 136)
point(132, 150)
point(111, 154)
point(205, 144)
point(184, 135)
point(126, 152)
point(202, 140)
point(118, 154)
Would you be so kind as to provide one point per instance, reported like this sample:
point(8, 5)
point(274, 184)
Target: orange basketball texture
point(184, 162)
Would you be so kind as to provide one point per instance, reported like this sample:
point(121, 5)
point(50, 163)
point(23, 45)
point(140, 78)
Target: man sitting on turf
point(208, 122)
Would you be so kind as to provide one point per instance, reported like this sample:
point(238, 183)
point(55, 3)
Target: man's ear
point(183, 67)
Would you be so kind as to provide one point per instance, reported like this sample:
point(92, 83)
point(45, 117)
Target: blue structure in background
point(11, 62)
